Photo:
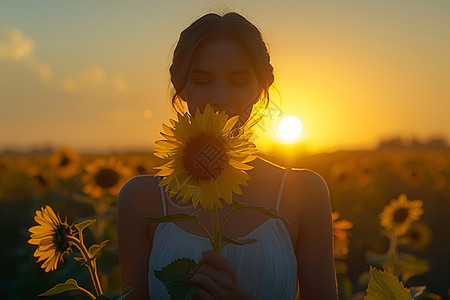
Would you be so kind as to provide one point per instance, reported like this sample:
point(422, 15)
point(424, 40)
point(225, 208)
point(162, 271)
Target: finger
point(202, 294)
point(217, 261)
point(221, 278)
point(204, 282)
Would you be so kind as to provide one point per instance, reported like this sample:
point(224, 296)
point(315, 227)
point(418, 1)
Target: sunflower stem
point(225, 218)
point(206, 231)
point(215, 223)
point(392, 252)
point(90, 263)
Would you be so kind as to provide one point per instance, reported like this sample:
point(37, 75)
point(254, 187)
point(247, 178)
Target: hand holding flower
point(217, 278)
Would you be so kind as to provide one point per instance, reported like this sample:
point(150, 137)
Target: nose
point(220, 100)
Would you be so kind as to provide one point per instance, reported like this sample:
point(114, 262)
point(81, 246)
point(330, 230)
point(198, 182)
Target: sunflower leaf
point(94, 250)
point(176, 279)
point(125, 292)
point(81, 226)
point(173, 218)
point(375, 258)
point(383, 285)
point(80, 259)
point(240, 242)
point(417, 291)
point(69, 285)
point(409, 266)
point(270, 212)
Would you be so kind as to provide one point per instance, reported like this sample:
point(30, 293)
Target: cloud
point(119, 83)
point(95, 77)
point(18, 48)
point(15, 46)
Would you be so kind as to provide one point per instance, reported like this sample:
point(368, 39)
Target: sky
point(93, 75)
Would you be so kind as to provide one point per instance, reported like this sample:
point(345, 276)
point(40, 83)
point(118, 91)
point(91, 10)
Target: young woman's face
point(222, 75)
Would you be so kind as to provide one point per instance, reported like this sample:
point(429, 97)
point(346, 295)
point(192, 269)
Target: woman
point(223, 61)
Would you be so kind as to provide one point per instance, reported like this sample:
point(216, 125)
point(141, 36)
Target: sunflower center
point(400, 215)
point(60, 238)
point(64, 161)
point(414, 235)
point(141, 169)
point(342, 177)
point(41, 180)
point(205, 157)
point(107, 178)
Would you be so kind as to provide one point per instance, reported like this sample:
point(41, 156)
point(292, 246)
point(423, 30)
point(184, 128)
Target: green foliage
point(69, 285)
point(94, 250)
point(125, 292)
point(385, 286)
point(408, 265)
point(174, 218)
point(81, 226)
point(270, 212)
point(240, 242)
point(176, 279)
point(358, 201)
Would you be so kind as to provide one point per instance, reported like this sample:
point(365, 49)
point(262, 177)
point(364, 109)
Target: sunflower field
point(390, 211)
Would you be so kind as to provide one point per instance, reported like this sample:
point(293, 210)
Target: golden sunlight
point(290, 127)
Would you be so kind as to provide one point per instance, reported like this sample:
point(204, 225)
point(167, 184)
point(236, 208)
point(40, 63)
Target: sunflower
point(105, 176)
point(340, 234)
point(141, 165)
point(51, 237)
point(400, 213)
point(419, 235)
point(6, 164)
point(364, 172)
point(342, 175)
point(202, 160)
point(40, 176)
point(66, 162)
point(437, 180)
point(413, 174)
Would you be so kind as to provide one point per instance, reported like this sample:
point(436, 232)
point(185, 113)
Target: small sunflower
point(364, 172)
point(66, 162)
point(6, 164)
point(40, 176)
point(419, 235)
point(413, 174)
point(51, 237)
point(141, 165)
point(105, 176)
point(202, 160)
point(342, 176)
point(340, 233)
point(437, 180)
point(400, 213)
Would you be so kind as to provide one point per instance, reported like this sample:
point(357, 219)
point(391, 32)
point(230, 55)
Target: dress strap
point(162, 197)
point(280, 191)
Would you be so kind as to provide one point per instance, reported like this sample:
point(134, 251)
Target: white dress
point(267, 267)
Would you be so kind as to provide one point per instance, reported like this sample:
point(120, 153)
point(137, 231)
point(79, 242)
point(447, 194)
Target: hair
point(230, 25)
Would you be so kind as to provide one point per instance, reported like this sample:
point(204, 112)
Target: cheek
point(196, 97)
point(247, 98)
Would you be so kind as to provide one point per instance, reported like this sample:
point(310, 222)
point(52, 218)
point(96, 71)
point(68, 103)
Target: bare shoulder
point(308, 194)
point(140, 195)
point(308, 181)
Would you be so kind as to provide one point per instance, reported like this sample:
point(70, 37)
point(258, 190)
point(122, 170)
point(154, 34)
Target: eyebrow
point(239, 72)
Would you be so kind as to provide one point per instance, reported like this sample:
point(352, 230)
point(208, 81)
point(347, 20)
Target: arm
point(314, 249)
point(133, 234)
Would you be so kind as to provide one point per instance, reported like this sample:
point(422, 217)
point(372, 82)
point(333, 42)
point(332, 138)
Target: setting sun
point(290, 127)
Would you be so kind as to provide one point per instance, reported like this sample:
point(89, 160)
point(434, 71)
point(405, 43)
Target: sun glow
point(290, 128)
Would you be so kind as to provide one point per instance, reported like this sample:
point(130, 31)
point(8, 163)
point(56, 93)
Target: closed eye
point(200, 79)
point(240, 80)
